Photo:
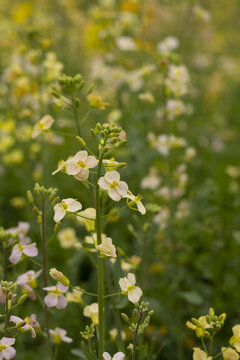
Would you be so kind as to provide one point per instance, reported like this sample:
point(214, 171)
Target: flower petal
point(112, 176)
point(31, 250)
point(122, 188)
point(114, 195)
point(103, 183)
point(106, 356)
point(51, 300)
point(91, 161)
point(83, 174)
point(59, 213)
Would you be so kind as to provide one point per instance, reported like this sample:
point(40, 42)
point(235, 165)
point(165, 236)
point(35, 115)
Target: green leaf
point(79, 353)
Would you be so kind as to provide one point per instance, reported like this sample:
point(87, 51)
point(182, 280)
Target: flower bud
point(125, 317)
point(58, 276)
point(30, 197)
point(81, 141)
point(22, 299)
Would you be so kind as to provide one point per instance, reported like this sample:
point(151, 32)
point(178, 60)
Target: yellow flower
point(199, 354)
point(235, 339)
point(96, 102)
point(229, 354)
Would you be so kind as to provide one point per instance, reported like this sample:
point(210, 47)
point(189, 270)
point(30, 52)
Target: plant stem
point(135, 336)
point(6, 316)
point(44, 264)
point(100, 266)
point(76, 118)
point(115, 310)
point(5, 260)
point(211, 344)
point(204, 346)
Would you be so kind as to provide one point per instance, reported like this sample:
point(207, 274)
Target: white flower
point(118, 356)
point(26, 324)
point(151, 181)
point(201, 13)
point(42, 125)
point(168, 44)
point(136, 200)
point(91, 311)
point(66, 205)
point(67, 238)
point(126, 43)
point(59, 335)
point(174, 108)
point(107, 248)
point(79, 165)
point(111, 182)
point(127, 285)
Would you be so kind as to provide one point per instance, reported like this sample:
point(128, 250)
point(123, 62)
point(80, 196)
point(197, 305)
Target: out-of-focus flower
point(66, 205)
point(151, 181)
point(110, 164)
point(168, 44)
point(28, 281)
point(174, 108)
point(233, 171)
point(126, 43)
point(106, 248)
point(91, 311)
point(79, 165)
point(199, 354)
point(74, 296)
point(55, 296)
point(68, 238)
point(229, 354)
point(42, 125)
point(6, 350)
point(147, 97)
point(118, 356)
point(96, 102)
point(59, 335)
point(127, 285)
point(87, 217)
point(21, 249)
point(111, 182)
point(201, 13)
point(114, 332)
point(190, 153)
point(25, 324)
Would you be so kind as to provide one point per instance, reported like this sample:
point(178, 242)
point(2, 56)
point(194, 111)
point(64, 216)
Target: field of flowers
point(119, 179)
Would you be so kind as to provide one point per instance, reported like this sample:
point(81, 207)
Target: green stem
point(6, 316)
point(83, 291)
point(109, 295)
point(44, 266)
point(55, 352)
point(5, 261)
point(204, 346)
point(100, 266)
point(76, 118)
point(135, 336)
point(211, 344)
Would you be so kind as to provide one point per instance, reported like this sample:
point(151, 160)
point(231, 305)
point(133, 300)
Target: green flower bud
point(22, 299)
point(30, 197)
point(81, 141)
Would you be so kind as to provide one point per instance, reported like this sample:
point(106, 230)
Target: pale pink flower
point(6, 350)
point(118, 356)
point(26, 324)
point(111, 182)
point(23, 247)
point(80, 164)
point(28, 282)
point(33, 322)
point(59, 335)
point(55, 296)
